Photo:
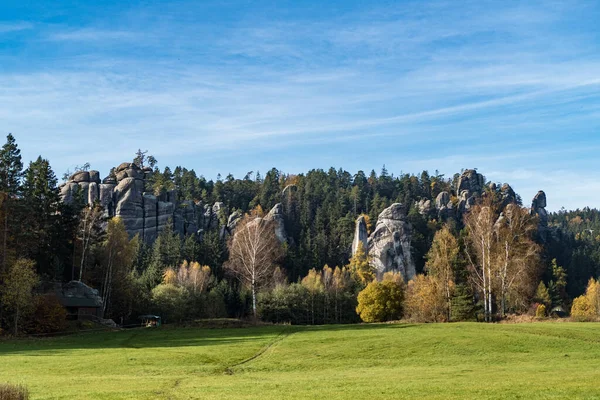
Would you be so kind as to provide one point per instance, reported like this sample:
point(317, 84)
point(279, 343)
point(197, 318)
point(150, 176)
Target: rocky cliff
point(127, 195)
point(389, 246)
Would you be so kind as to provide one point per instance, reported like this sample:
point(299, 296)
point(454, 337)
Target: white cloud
point(6, 27)
point(486, 84)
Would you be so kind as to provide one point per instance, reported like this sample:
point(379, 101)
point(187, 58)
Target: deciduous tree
point(254, 252)
point(17, 290)
point(441, 259)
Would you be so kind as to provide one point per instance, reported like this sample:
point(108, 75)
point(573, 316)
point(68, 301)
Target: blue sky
point(510, 88)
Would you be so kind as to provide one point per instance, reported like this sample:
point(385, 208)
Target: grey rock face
point(469, 189)
point(442, 200)
point(389, 246)
point(276, 215)
point(128, 170)
point(93, 193)
point(360, 234)
point(67, 192)
point(539, 201)
point(81, 176)
point(95, 176)
point(425, 207)
point(232, 222)
point(106, 198)
point(538, 207)
point(147, 215)
point(471, 181)
point(508, 195)
point(444, 206)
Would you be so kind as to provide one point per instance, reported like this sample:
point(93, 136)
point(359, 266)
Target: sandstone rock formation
point(389, 246)
point(444, 206)
point(508, 195)
point(360, 234)
point(125, 195)
point(538, 207)
point(469, 188)
point(276, 215)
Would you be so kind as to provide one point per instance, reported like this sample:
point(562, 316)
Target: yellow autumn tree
point(587, 307)
point(360, 267)
point(170, 277)
point(440, 262)
point(313, 283)
point(426, 300)
point(380, 301)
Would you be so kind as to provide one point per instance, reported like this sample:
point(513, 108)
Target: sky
point(511, 88)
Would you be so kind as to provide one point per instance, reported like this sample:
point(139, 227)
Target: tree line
point(484, 266)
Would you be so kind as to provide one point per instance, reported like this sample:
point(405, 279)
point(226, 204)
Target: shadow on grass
point(169, 337)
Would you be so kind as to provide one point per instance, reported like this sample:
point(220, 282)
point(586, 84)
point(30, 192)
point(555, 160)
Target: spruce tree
point(11, 173)
point(42, 219)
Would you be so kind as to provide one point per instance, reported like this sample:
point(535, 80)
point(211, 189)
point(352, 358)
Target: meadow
point(435, 361)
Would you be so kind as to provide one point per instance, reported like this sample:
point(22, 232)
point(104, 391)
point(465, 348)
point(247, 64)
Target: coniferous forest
point(494, 259)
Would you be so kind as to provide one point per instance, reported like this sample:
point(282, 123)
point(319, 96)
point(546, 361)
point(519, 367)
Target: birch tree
point(517, 256)
point(253, 253)
point(479, 223)
point(88, 232)
point(119, 254)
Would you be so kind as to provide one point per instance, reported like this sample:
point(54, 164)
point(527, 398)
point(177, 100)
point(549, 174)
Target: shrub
point(540, 311)
point(49, 315)
point(426, 300)
point(13, 392)
point(380, 301)
point(170, 302)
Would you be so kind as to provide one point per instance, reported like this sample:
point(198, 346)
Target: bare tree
point(518, 256)
point(253, 253)
point(479, 222)
point(88, 232)
point(119, 254)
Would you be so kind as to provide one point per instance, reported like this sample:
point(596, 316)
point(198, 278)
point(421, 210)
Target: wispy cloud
point(494, 85)
point(6, 27)
point(91, 35)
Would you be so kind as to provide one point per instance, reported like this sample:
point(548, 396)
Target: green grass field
point(438, 361)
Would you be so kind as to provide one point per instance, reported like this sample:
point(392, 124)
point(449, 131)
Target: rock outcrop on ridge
point(126, 195)
point(389, 246)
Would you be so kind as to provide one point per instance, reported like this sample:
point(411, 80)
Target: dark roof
point(78, 294)
point(148, 317)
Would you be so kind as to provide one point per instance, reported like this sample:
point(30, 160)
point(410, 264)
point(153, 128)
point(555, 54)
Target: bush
point(212, 305)
point(380, 301)
point(540, 311)
point(426, 300)
point(49, 315)
point(587, 307)
point(170, 302)
point(13, 392)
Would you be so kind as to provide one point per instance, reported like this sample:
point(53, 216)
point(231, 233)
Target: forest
point(494, 260)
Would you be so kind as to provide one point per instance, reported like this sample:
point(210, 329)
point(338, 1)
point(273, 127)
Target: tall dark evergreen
point(42, 218)
point(11, 173)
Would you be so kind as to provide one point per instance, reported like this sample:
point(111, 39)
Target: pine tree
point(463, 308)
point(11, 173)
point(42, 202)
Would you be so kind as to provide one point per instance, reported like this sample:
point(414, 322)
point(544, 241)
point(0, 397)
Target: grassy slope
point(459, 361)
